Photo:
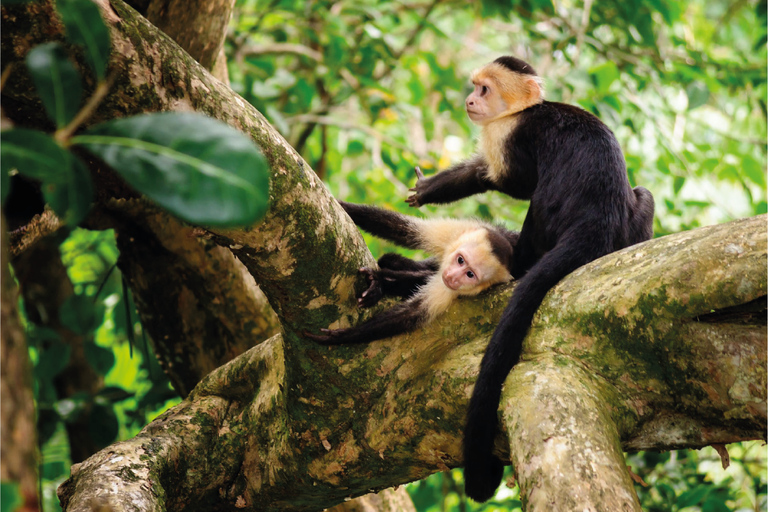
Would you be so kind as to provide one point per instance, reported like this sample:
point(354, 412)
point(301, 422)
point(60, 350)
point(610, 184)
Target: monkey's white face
point(458, 271)
point(485, 103)
point(500, 92)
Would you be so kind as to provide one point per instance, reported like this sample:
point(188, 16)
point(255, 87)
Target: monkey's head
point(502, 88)
point(476, 260)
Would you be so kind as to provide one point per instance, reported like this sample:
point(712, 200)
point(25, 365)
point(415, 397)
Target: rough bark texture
point(199, 27)
point(18, 451)
point(639, 349)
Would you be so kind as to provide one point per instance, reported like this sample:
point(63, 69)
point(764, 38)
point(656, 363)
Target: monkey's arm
point(393, 226)
point(404, 317)
point(462, 180)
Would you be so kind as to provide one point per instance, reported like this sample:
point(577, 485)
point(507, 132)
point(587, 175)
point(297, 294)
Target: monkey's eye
point(470, 274)
point(484, 90)
point(460, 259)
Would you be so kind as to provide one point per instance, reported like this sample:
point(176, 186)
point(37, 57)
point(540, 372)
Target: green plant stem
point(63, 135)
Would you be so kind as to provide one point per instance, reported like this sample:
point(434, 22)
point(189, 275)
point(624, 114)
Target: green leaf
point(84, 25)
point(112, 394)
point(604, 75)
point(10, 497)
point(71, 200)
point(679, 181)
point(753, 170)
point(66, 185)
point(101, 359)
point(34, 154)
point(693, 496)
point(52, 360)
point(57, 81)
point(199, 169)
point(80, 315)
point(698, 95)
point(53, 469)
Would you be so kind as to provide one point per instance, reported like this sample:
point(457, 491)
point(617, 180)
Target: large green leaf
point(34, 154)
point(57, 81)
point(82, 19)
point(66, 184)
point(200, 169)
point(70, 199)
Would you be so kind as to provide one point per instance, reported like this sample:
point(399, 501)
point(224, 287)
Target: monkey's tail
point(483, 471)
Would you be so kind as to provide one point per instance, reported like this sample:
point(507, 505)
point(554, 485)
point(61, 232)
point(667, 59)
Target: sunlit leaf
point(604, 75)
point(198, 168)
point(57, 81)
point(85, 26)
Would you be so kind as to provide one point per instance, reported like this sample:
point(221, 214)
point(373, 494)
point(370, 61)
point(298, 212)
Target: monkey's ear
point(534, 90)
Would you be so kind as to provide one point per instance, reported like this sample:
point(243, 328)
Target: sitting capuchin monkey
point(468, 257)
point(571, 168)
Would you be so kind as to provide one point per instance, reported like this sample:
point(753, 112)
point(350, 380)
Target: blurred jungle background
point(365, 91)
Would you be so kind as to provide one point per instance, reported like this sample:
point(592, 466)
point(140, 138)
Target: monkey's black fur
point(399, 276)
point(570, 166)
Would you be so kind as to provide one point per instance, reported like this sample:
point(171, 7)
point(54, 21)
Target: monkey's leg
point(641, 216)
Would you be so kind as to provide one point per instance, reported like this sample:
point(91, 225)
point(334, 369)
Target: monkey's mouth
point(449, 284)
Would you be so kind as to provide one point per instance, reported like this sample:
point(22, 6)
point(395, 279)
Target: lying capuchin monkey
point(468, 257)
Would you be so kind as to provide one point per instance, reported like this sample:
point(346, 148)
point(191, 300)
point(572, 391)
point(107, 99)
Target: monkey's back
point(581, 185)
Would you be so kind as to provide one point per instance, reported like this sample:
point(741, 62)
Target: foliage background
point(365, 90)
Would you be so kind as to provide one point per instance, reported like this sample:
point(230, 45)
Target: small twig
point(582, 29)
point(62, 135)
point(296, 49)
point(5, 75)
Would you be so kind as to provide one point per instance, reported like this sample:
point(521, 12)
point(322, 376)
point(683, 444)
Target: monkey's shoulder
point(551, 116)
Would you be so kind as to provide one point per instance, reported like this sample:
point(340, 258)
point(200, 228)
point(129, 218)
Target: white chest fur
point(492, 146)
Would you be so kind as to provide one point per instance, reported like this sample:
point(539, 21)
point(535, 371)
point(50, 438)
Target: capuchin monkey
point(571, 168)
point(469, 257)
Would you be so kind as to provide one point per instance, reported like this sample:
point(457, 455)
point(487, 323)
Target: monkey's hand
point(373, 294)
point(328, 336)
point(414, 199)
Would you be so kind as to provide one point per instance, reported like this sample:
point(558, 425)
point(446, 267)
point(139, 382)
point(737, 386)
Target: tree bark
point(19, 458)
point(640, 349)
point(198, 27)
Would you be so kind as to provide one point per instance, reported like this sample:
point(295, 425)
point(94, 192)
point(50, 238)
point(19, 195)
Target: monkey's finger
point(419, 174)
point(319, 338)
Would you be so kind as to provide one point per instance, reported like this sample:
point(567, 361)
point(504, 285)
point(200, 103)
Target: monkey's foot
point(413, 200)
point(374, 293)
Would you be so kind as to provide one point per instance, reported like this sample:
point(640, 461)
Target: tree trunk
point(658, 346)
point(18, 460)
